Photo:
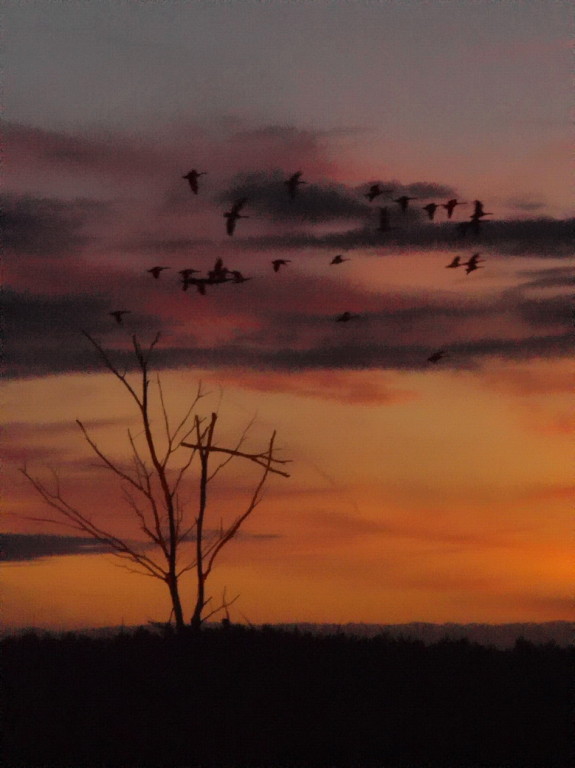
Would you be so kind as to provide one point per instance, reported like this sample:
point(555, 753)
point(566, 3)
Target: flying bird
point(293, 182)
point(234, 214)
point(383, 220)
point(199, 282)
point(187, 278)
point(155, 271)
point(375, 190)
point(478, 211)
point(450, 206)
point(431, 208)
point(238, 277)
point(403, 202)
point(219, 274)
point(473, 263)
point(455, 263)
point(185, 273)
point(192, 177)
point(338, 259)
point(118, 314)
point(345, 317)
point(280, 263)
point(436, 356)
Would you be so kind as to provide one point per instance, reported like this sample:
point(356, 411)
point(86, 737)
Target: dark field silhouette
point(242, 698)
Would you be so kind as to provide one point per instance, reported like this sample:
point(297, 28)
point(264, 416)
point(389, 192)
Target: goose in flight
point(375, 190)
point(455, 263)
point(403, 202)
point(238, 277)
point(155, 271)
point(219, 274)
point(478, 211)
point(436, 356)
point(185, 273)
point(473, 263)
point(345, 317)
point(430, 208)
point(293, 182)
point(192, 177)
point(338, 259)
point(118, 313)
point(280, 263)
point(234, 214)
point(199, 282)
point(450, 206)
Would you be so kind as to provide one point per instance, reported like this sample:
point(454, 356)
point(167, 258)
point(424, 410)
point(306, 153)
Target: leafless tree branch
point(150, 488)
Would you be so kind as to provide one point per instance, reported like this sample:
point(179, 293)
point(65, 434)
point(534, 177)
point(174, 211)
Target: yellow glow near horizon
point(447, 505)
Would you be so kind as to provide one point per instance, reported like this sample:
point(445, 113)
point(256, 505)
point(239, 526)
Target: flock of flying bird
point(221, 274)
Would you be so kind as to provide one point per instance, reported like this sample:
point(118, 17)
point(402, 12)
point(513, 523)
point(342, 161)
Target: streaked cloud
point(47, 227)
point(362, 389)
point(313, 202)
point(544, 237)
point(24, 547)
point(289, 326)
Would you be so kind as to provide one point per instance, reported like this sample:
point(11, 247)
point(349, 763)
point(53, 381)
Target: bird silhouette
point(219, 274)
point(293, 182)
point(403, 202)
point(436, 356)
point(118, 313)
point(185, 273)
point(199, 282)
point(155, 271)
point(375, 190)
point(338, 259)
point(345, 317)
point(238, 277)
point(450, 206)
point(431, 208)
point(187, 278)
point(234, 214)
point(473, 263)
point(478, 211)
point(280, 263)
point(192, 177)
point(383, 219)
point(455, 263)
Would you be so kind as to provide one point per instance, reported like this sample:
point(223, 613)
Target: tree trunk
point(176, 603)
point(196, 620)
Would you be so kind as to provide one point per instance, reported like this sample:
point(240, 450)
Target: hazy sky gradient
point(418, 492)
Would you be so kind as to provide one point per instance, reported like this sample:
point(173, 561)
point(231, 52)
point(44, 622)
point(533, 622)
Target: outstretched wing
point(230, 223)
point(238, 205)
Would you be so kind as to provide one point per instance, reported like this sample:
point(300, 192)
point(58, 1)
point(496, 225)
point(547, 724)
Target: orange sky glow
point(417, 491)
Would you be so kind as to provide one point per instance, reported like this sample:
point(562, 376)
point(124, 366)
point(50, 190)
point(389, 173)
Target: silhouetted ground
point(245, 698)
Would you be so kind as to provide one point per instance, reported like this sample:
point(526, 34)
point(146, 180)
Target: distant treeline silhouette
point(239, 697)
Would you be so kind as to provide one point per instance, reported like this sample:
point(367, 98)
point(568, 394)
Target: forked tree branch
point(258, 458)
point(235, 526)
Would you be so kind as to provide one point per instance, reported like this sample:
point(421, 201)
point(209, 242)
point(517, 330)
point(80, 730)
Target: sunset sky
point(418, 491)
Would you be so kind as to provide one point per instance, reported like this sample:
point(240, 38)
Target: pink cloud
point(157, 162)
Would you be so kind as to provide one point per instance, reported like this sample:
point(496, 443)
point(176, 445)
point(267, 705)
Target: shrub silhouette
point(245, 697)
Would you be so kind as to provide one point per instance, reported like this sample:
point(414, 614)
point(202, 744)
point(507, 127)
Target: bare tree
point(151, 488)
